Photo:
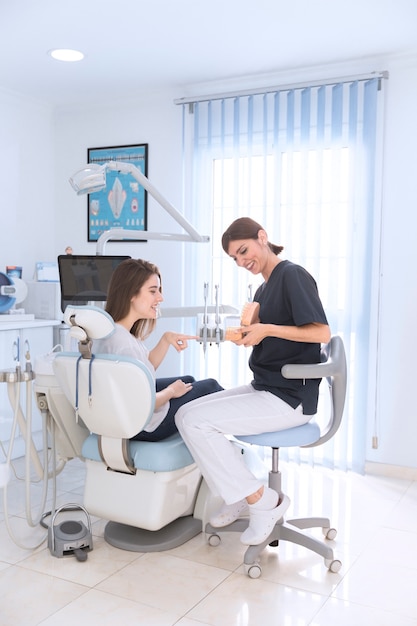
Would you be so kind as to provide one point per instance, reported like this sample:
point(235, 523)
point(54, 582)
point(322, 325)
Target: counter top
point(15, 324)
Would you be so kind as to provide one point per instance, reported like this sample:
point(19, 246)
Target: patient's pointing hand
point(178, 340)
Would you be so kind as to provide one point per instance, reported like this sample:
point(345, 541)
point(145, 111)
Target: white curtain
point(302, 162)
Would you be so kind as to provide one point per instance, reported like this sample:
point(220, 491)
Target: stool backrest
point(333, 368)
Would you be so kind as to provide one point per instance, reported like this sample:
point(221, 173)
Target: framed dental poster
point(123, 203)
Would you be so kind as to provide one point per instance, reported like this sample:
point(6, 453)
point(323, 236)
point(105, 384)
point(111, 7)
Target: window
point(302, 163)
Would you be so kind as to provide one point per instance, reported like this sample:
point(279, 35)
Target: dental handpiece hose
point(205, 320)
point(218, 334)
point(16, 345)
point(28, 366)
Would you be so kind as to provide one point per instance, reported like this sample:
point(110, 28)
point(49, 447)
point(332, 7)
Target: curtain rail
point(285, 87)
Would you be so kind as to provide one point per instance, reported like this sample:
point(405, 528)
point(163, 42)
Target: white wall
point(61, 139)
point(156, 122)
point(26, 182)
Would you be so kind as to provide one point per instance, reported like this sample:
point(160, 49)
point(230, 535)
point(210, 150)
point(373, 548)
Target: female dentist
point(292, 325)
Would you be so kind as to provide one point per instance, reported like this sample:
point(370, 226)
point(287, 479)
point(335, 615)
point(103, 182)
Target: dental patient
point(133, 300)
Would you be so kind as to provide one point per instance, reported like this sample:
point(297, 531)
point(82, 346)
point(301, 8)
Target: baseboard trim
point(392, 471)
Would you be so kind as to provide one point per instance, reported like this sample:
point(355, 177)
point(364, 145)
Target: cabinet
point(38, 335)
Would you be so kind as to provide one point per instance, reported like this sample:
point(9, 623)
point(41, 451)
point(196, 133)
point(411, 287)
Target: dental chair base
point(134, 539)
point(174, 534)
point(155, 505)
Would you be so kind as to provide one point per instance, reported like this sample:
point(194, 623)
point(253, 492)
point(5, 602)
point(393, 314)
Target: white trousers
point(204, 422)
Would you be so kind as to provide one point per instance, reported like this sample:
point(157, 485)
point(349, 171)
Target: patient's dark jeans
point(167, 427)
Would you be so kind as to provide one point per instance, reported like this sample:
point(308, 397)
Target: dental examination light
point(213, 321)
point(92, 178)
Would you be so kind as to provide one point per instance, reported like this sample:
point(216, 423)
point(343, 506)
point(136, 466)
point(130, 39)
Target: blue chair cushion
point(297, 436)
point(156, 456)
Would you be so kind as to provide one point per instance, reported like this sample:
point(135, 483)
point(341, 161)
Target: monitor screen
point(85, 278)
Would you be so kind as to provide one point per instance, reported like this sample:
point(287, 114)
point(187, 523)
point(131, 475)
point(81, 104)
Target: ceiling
point(133, 47)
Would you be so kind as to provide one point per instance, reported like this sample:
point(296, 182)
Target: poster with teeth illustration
point(123, 203)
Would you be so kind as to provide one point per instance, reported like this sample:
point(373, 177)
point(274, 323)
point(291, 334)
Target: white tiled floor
point(199, 585)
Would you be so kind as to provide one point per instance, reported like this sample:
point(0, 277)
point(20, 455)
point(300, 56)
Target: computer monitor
point(85, 278)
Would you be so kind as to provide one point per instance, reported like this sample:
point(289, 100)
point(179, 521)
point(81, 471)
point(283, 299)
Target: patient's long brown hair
point(126, 281)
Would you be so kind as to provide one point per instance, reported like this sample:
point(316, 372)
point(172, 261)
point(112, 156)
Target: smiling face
point(145, 304)
point(247, 253)
point(254, 254)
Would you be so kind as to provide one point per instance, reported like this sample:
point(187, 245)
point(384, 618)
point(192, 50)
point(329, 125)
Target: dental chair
point(152, 493)
point(333, 369)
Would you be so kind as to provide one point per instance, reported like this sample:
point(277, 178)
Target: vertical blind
point(302, 162)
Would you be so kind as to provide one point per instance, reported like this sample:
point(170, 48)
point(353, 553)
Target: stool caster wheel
point(333, 566)
point(253, 571)
point(214, 540)
point(329, 533)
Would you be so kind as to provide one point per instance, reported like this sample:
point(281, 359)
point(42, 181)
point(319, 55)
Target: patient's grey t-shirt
point(123, 343)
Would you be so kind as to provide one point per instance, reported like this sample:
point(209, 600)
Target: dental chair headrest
point(88, 322)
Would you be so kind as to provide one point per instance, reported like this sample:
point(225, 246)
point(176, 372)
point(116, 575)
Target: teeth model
point(249, 315)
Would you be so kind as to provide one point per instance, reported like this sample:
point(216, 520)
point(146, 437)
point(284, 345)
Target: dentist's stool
point(152, 492)
point(333, 369)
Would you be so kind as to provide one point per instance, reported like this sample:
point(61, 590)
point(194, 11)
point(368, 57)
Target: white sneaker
point(261, 523)
point(228, 513)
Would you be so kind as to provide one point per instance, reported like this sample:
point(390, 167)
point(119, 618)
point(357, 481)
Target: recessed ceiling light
point(64, 54)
